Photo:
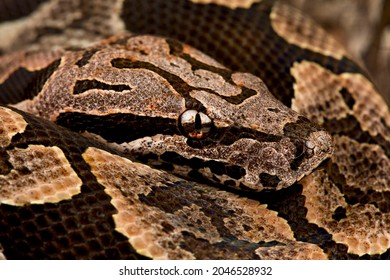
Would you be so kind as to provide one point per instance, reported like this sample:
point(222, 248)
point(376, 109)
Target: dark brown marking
point(269, 181)
point(356, 195)
point(15, 9)
point(84, 85)
point(86, 57)
point(118, 128)
point(300, 155)
point(24, 84)
point(301, 129)
point(194, 163)
point(348, 98)
point(176, 82)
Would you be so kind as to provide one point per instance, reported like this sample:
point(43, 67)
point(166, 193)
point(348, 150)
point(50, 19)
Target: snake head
point(168, 105)
point(253, 143)
point(229, 129)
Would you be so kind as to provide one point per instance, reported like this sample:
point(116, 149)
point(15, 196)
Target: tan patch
point(370, 108)
point(303, 32)
point(292, 251)
point(317, 95)
point(365, 230)
point(322, 198)
point(364, 166)
point(232, 4)
point(11, 123)
point(257, 223)
point(39, 175)
point(317, 92)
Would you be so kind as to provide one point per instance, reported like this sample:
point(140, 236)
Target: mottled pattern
point(364, 229)
point(315, 196)
point(286, 23)
point(11, 123)
point(39, 175)
point(338, 96)
point(299, 251)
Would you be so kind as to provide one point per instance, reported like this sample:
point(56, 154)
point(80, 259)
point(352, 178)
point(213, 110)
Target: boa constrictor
point(120, 146)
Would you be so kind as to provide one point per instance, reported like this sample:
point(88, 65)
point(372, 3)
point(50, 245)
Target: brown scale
point(246, 39)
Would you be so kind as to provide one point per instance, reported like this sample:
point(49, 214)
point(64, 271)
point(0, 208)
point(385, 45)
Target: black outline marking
point(85, 85)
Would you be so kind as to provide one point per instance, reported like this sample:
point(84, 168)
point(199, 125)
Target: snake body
point(119, 141)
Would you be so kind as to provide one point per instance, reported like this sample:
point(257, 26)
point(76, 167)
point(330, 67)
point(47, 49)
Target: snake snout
point(321, 144)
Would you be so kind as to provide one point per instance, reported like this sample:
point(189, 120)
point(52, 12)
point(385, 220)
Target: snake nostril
point(309, 144)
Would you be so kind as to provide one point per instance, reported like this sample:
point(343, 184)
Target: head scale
point(174, 108)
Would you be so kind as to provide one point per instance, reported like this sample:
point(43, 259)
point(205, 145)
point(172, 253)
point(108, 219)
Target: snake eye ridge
point(194, 124)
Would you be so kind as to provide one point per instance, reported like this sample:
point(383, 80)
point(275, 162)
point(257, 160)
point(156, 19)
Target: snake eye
point(194, 124)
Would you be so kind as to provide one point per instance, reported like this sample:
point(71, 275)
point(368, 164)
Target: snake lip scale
point(186, 129)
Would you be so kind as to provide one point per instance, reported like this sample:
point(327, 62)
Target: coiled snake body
point(140, 146)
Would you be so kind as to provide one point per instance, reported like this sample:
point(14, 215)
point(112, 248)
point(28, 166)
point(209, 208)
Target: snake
point(186, 129)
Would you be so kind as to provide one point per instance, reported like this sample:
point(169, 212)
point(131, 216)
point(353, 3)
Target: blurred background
point(363, 27)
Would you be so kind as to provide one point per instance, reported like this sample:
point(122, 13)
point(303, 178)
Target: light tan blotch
point(317, 93)
point(39, 175)
point(295, 28)
point(11, 123)
point(318, 96)
point(256, 223)
point(232, 4)
point(365, 230)
point(364, 166)
point(292, 251)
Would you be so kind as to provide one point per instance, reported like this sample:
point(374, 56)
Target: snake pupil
point(194, 124)
point(198, 123)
